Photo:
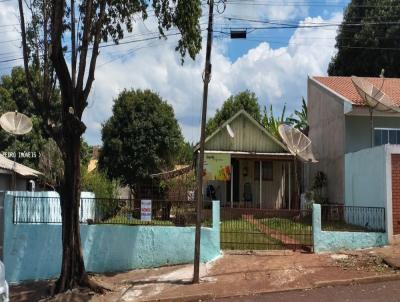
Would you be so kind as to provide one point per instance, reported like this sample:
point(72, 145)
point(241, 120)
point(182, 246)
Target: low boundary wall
point(34, 251)
point(329, 241)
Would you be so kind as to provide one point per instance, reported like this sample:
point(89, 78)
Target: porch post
point(260, 182)
point(290, 187)
point(231, 185)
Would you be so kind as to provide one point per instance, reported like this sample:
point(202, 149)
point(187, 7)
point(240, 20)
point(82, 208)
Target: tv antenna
point(375, 99)
point(15, 123)
point(299, 145)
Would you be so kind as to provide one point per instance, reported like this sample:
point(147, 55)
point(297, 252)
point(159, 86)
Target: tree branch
point(57, 56)
point(28, 76)
point(85, 44)
point(93, 59)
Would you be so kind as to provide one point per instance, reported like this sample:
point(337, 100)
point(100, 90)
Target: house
point(246, 166)
point(24, 176)
point(340, 123)
point(357, 148)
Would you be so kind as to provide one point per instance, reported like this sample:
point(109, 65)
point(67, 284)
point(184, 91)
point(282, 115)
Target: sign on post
point(145, 210)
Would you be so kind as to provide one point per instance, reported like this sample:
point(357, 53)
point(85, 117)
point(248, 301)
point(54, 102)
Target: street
point(384, 291)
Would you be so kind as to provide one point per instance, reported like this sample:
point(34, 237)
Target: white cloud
point(276, 75)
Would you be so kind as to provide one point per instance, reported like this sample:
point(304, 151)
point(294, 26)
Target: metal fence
point(266, 229)
point(353, 219)
point(106, 211)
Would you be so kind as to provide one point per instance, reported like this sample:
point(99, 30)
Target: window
point(384, 136)
point(267, 170)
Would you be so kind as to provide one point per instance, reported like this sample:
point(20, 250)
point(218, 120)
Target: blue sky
point(274, 63)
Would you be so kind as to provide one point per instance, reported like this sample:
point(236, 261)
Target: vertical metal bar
point(290, 187)
point(260, 182)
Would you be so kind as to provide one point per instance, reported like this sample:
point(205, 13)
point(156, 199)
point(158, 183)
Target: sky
point(273, 63)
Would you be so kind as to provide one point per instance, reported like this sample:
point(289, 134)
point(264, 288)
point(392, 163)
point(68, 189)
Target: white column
point(260, 183)
point(231, 186)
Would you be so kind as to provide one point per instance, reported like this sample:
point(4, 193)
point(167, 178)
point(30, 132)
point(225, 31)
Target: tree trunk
point(72, 268)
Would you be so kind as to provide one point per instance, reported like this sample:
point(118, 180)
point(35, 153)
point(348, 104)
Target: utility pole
point(200, 168)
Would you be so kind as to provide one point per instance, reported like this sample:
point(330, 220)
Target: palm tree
point(300, 120)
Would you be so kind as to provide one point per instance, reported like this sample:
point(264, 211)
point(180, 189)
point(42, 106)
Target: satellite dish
point(230, 131)
point(374, 97)
point(297, 143)
point(16, 123)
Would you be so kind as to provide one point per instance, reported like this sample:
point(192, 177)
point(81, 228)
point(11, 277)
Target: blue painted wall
point(33, 251)
point(338, 241)
point(365, 177)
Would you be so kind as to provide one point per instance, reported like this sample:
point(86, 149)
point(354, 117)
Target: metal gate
point(257, 229)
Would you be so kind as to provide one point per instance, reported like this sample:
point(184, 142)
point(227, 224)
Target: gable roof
point(345, 88)
point(20, 169)
point(219, 132)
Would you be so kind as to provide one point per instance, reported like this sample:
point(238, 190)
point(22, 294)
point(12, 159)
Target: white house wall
point(327, 133)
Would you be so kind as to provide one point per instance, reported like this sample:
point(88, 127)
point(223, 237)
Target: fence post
point(316, 225)
point(216, 222)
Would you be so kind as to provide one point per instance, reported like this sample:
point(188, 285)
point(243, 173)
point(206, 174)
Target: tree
point(58, 31)
point(142, 137)
point(368, 28)
point(271, 123)
point(98, 183)
point(300, 118)
point(244, 100)
point(185, 153)
point(40, 152)
point(14, 96)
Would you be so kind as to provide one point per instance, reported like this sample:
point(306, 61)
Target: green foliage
point(86, 153)
point(185, 153)
point(271, 122)
point(244, 100)
point(358, 47)
point(141, 138)
point(300, 118)
point(98, 183)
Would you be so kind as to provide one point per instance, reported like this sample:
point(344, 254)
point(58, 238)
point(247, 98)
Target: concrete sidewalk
point(237, 274)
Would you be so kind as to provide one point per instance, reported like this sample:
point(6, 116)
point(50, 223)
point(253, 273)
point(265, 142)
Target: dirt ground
point(230, 275)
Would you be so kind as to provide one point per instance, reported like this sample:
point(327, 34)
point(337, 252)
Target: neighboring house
point(23, 175)
point(341, 126)
point(234, 154)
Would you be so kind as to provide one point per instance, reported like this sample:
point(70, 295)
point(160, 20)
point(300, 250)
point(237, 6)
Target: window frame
point(387, 139)
point(265, 176)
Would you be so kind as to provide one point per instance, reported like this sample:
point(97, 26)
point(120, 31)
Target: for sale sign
point(145, 210)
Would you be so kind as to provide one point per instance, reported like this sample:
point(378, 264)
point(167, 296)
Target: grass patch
point(300, 231)
point(239, 234)
point(341, 226)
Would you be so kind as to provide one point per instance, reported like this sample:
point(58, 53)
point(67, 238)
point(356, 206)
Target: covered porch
point(242, 188)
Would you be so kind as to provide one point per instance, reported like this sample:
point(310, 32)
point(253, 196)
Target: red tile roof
point(345, 87)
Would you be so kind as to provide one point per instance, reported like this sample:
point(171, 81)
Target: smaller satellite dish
point(230, 131)
point(297, 143)
point(16, 123)
point(373, 96)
